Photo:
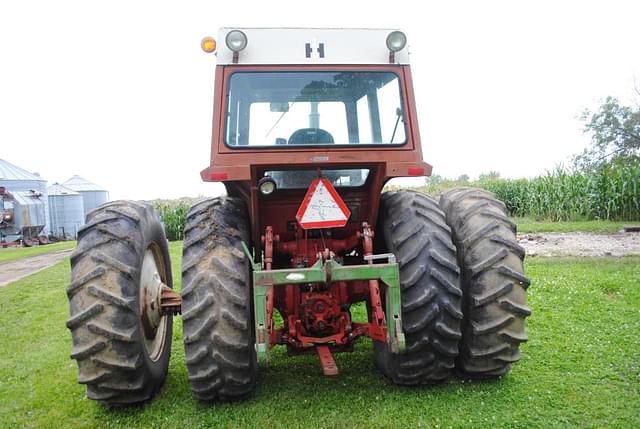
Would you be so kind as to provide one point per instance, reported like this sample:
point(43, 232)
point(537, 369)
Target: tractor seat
point(311, 136)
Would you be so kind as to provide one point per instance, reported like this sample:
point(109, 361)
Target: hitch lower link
point(326, 272)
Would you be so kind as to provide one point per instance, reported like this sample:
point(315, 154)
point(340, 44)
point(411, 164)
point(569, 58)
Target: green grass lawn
point(15, 253)
point(580, 368)
point(529, 225)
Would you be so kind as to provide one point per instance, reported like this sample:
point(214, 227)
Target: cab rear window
point(314, 108)
point(301, 179)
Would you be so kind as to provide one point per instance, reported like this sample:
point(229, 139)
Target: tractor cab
point(292, 102)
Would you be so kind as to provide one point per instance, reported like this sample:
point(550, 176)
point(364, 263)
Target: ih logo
point(313, 47)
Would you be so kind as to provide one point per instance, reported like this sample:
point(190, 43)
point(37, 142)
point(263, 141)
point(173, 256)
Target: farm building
point(66, 209)
point(92, 194)
point(29, 192)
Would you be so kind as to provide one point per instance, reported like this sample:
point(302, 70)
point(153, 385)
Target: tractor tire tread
point(493, 282)
point(104, 321)
point(413, 227)
point(216, 301)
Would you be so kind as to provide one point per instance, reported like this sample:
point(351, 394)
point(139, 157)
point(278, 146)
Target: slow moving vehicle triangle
point(322, 207)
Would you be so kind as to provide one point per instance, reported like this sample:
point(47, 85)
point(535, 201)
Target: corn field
point(611, 192)
point(173, 215)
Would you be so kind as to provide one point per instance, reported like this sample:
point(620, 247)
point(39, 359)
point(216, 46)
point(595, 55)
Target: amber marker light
point(208, 44)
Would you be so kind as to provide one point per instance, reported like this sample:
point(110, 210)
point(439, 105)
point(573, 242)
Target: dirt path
point(16, 270)
point(581, 244)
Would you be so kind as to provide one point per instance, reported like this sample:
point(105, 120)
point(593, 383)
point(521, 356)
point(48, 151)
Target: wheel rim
point(154, 325)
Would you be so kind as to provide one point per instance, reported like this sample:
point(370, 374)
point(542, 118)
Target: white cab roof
point(311, 46)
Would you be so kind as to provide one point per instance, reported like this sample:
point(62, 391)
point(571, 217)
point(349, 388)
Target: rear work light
point(266, 185)
point(236, 41)
point(396, 41)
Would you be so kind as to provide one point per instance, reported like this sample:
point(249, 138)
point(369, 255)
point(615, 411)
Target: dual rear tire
point(121, 344)
point(463, 285)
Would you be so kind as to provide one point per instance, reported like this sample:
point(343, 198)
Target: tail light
point(415, 171)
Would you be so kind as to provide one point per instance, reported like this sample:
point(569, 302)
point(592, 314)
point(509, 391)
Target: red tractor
point(308, 126)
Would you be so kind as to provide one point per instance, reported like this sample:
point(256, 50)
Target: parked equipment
point(15, 179)
point(23, 217)
point(308, 126)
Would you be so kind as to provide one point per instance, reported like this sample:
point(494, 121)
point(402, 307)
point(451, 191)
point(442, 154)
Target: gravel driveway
point(581, 244)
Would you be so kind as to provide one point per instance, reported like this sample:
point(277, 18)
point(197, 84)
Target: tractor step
point(327, 363)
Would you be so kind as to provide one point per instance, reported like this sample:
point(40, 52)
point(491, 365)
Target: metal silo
point(92, 194)
point(66, 211)
point(16, 179)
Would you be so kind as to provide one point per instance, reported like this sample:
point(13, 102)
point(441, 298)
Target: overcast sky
point(121, 93)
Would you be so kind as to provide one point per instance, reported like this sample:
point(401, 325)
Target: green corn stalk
point(611, 192)
point(173, 215)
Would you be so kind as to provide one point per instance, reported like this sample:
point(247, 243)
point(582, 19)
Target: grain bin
point(16, 179)
point(66, 211)
point(92, 194)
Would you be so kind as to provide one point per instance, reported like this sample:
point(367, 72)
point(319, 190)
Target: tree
point(463, 178)
point(434, 179)
point(615, 134)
